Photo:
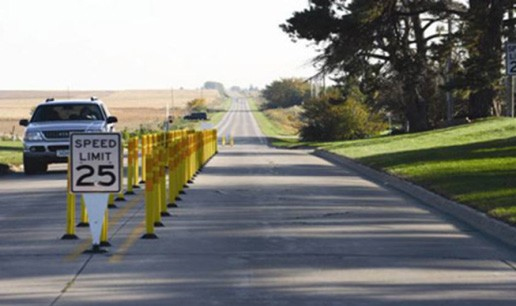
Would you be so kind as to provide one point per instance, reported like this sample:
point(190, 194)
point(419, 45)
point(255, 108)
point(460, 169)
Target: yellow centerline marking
point(131, 239)
point(112, 222)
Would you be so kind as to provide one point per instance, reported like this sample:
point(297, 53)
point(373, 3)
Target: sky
point(147, 44)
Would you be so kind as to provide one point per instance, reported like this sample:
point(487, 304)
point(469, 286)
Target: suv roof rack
point(49, 100)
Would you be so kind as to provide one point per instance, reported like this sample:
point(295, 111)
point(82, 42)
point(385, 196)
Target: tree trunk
point(485, 22)
point(480, 103)
point(416, 106)
point(416, 111)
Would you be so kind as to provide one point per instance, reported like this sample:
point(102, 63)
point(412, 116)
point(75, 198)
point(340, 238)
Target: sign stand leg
point(96, 205)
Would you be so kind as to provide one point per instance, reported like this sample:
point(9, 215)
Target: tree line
point(411, 58)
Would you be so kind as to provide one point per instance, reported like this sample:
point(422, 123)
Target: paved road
point(259, 226)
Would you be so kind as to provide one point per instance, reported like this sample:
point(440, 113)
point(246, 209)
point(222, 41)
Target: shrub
point(197, 105)
point(332, 117)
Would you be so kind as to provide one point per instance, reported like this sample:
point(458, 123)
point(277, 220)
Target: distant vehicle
point(196, 116)
point(47, 133)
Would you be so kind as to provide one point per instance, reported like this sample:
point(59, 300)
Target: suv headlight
point(95, 130)
point(33, 136)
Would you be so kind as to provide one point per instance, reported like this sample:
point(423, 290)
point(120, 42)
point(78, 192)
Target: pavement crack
point(71, 282)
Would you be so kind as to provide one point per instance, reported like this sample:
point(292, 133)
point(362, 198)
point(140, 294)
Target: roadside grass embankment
point(276, 124)
point(11, 154)
point(473, 164)
point(217, 110)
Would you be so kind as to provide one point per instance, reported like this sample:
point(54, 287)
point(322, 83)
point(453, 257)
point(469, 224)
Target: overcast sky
point(147, 44)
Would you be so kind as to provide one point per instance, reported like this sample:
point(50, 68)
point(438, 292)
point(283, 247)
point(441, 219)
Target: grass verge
point(473, 164)
point(11, 152)
point(218, 110)
point(273, 129)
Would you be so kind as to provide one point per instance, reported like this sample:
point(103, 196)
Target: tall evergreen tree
point(395, 34)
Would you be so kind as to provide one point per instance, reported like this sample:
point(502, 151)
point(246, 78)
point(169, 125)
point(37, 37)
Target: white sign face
point(95, 162)
point(511, 58)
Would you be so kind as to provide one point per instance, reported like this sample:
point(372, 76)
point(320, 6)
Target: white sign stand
point(96, 205)
point(95, 172)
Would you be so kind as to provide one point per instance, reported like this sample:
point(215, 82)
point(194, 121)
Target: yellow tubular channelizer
point(130, 170)
point(104, 233)
point(70, 210)
point(149, 201)
point(136, 148)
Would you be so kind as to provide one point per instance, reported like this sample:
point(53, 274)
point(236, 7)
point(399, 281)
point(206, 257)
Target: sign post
point(95, 172)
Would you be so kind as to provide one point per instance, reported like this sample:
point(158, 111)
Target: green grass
point(272, 129)
point(474, 164)
point(217, 112)
point(11, 152)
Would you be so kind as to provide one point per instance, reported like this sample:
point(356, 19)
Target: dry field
point(132, 107)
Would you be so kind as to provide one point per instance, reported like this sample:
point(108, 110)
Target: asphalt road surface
point(259, 226)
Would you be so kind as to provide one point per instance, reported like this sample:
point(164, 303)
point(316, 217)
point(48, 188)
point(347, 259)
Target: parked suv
point(47, 133)
point(196, 116)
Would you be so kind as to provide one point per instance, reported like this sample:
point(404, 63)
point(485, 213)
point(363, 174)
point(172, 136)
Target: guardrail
point(168, 162)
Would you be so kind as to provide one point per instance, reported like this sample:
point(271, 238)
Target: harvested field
point(132, 107)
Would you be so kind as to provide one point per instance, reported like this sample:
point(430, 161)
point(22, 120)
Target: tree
point(286, 93)
point(215, 85)
point(483, 40)
point(393, 35)
point(196, 105)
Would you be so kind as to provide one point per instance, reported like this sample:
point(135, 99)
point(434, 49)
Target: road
point(259, 226)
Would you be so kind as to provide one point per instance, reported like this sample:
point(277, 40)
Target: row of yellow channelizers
point(177, 155)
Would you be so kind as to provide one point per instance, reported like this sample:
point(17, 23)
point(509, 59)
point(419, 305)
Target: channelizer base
point(105, 244)
point(112, 206)
point(95, 250)
point(190, 181)
point(172, 205)
point(83, 224)
point(165, 214)
point(149, 236)
point(159, 224)
point(120, 199)
point(129, 192)
point(136, 186)
point(182, 192)
point(142, 182)
point(69, 237)
point(179, 199)
point(185, 186)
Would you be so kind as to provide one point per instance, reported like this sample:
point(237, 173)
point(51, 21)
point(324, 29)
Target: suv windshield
point(64, 112)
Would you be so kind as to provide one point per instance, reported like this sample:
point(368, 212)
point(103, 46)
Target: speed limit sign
point(95, 162)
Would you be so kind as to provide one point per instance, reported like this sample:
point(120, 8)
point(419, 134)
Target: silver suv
point(47, 133)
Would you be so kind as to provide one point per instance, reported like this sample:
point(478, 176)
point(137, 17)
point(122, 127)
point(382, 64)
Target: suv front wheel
point(33, 166)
